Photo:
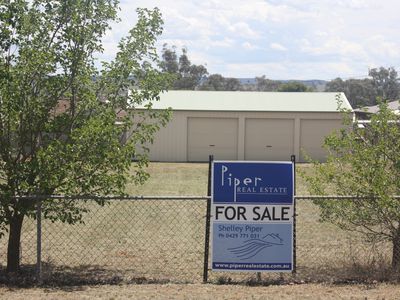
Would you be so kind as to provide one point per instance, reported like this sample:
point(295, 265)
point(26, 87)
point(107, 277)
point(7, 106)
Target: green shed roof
point(250, 101)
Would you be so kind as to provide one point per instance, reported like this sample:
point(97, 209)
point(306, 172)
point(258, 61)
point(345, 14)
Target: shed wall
point(312, 133)
point(171, 142)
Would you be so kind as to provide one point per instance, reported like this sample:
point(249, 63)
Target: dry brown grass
point(174, 179)
point(153, 241)
point(188, 179)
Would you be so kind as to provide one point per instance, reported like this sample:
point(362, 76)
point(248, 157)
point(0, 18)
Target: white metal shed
point(245, 125)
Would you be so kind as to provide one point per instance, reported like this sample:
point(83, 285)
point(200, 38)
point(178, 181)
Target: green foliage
point(293, 86)
point(187, 75)
point(386, 83)
point(217, 82)
point(264, 84)
point(383, 83)
point(359, 92)
point(62, 121)
point(363, 162)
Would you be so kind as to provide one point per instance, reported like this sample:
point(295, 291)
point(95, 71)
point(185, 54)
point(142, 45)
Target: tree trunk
point(14, 239)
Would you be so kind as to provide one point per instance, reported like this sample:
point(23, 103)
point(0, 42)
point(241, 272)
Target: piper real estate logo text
point(249, 184)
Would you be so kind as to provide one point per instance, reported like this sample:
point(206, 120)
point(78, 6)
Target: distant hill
point(316, 84)
point(247, 80)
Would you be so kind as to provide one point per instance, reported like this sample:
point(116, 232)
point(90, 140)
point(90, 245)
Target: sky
point(281, 39)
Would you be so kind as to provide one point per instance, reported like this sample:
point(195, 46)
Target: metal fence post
point(39, 240)
point(293, 159)
point(208, 216)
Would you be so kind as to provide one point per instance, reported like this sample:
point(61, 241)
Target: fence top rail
point(129, 197)
point(339, 197)
point(93, 197)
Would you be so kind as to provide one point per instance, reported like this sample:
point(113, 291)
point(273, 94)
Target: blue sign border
point(249, 179)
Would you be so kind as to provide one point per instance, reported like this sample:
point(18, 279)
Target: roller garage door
point(216, 136)
point(269, 139)
point(312, 135)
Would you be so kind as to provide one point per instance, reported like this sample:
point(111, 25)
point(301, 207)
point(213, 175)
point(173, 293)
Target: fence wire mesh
point(327, 253)
point(160, 239)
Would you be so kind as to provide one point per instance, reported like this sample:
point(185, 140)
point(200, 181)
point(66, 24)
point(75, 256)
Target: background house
point(366, 112)
point(245, 125)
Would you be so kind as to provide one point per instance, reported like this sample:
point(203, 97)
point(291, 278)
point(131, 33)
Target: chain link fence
point(161, 239)
point(329, 254)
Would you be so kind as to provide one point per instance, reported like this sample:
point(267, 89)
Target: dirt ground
point(208, 291)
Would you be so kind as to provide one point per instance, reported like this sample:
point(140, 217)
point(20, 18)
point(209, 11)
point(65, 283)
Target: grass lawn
point(319, 245)
point(173, 179)
point(157, 241)
point(185, 179)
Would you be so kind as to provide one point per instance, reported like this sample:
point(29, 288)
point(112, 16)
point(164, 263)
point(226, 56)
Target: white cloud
point(357, 4)
point(224, 43)
point(380, 46)
point(249, 46)
point(278, 47)
point(243, 29)
point(339, 37)
point(333, 45)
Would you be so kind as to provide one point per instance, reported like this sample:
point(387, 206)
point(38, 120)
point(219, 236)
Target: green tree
point(293, 86)
point(232, 84)
point(58, 113)
point(359, 92)
point(217, 82)
point(169, 61)
point(363, 162)
point(264, 84)
point(386, 83)
point(187, 75)
point(336, 85)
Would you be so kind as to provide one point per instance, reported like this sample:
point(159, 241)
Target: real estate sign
point(252, 216)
